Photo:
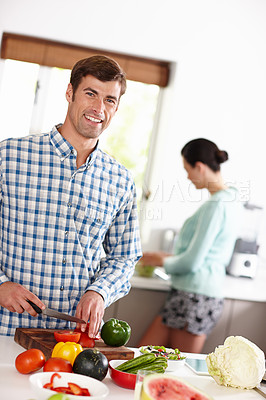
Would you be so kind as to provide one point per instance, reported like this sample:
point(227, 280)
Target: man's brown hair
point(101, 67)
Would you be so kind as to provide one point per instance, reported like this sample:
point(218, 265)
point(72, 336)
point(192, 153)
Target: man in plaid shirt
point(69, 236)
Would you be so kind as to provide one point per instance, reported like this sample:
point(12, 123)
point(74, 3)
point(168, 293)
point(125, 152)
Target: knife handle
point(35, 307)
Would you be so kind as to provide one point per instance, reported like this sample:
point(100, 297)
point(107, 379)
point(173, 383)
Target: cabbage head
point(238, 363)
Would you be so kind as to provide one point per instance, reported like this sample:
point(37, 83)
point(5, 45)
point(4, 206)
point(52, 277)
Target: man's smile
point(93, 119)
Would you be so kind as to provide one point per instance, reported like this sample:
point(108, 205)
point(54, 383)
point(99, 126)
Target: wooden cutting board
point(44, 340)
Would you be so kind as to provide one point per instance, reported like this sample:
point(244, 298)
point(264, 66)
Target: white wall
point(218, 88)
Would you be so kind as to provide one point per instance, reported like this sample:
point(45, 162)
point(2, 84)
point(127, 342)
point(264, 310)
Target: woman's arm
point(155, 258)
point(208, 226)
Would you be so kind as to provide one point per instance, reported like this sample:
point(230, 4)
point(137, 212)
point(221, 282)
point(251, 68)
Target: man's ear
point(69, 93)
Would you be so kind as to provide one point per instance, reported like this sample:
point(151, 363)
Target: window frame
point(64, 55)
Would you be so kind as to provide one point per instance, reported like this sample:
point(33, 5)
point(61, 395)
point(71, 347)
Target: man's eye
point(111, 101)
point(89, 93)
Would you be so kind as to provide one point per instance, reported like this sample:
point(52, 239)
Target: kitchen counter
point(237, 288)
point(15, 386)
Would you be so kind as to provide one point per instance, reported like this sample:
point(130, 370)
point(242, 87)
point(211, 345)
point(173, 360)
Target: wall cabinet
point(243, 318)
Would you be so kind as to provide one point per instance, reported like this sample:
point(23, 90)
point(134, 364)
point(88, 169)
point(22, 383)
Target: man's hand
point(91, 308)
point(14, 296)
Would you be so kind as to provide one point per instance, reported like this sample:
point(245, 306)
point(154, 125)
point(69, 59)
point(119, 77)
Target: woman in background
point(202, 252)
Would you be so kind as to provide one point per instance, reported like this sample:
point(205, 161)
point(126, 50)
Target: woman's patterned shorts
point(197, 313)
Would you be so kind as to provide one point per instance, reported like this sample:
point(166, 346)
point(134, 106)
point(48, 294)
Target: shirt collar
point(63, 148)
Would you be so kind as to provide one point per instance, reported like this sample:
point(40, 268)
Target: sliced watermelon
point(169, 387)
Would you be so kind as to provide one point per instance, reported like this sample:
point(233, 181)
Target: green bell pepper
point(115, 333)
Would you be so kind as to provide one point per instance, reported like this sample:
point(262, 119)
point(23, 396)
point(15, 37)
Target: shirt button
point(69, 204)
point(66, 233)
point(62, 288)
point(64, 261)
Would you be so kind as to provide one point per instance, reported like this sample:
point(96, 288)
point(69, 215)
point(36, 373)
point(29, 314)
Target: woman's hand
point(155, 258)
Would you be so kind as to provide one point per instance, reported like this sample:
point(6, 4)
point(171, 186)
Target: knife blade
point(55, 314)
point(161, 274)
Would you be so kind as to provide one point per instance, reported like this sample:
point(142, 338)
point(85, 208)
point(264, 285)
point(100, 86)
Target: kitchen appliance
point(169, 237)
point(244, 261)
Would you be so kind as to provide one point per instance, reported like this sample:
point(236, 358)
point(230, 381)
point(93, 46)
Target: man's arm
point(14, 296)
point(122, 250)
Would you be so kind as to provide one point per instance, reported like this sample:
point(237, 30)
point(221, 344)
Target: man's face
point(94, 105)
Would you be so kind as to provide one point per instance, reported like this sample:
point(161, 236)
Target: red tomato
point(67, 336)
point(30, 361)
point(57, 365)
point(86, 330)
point(85, 340)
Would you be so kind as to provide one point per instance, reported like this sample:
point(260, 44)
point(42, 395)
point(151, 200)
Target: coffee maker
point(244, 261)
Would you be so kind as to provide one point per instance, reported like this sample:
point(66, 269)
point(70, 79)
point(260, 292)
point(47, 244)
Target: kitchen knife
point(161, 274)
point(261, 392)
point(261, 389)
point(55, 314)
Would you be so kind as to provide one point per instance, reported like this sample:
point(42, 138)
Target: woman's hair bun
point(221, 156)
point(205, 151)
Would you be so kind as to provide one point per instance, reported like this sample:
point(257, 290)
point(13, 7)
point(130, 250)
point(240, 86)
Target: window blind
point(64, 55)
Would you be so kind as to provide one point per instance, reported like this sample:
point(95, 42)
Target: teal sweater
point(205, 244)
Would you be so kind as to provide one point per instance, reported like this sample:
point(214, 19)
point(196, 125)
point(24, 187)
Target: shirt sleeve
point(122, 251)
point(208, 227)
point(3, 277)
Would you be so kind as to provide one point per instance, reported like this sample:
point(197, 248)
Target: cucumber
point(136, 362)
point(159, 364)
point(156, 367)
point(149, 366)
point(160, 360)
point(156, 370)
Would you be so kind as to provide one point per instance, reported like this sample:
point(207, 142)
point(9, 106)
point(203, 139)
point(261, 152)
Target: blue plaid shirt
point(63, 230)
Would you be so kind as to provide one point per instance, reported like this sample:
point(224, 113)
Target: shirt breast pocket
point(98, 222)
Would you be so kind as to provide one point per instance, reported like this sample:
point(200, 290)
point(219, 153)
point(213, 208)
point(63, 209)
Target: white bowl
point(97, 389)
point(173, 365)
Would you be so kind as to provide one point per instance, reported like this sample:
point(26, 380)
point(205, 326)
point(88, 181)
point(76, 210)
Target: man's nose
point(98, 105)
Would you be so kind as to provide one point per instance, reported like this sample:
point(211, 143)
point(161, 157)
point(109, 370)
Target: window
point(50, 105)
point(17, 94)
point(33, 100)
point(128, 136)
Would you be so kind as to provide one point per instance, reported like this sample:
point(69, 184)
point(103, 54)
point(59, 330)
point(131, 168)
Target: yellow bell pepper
point(67, 350)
